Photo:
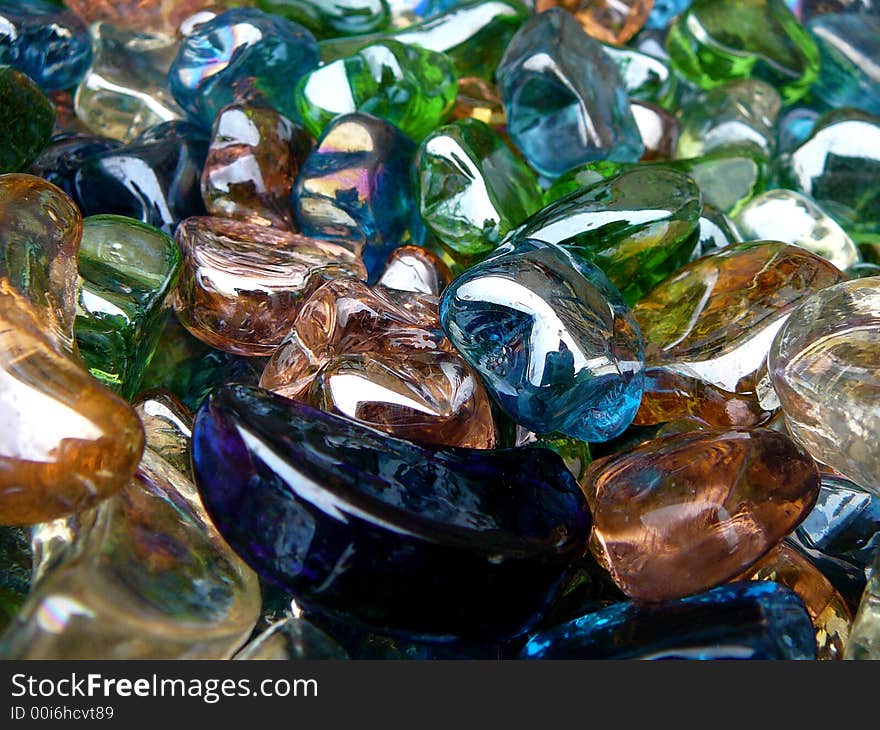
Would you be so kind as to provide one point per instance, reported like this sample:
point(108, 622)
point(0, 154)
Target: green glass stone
point(637, 227)
point(127, 269)
point(332, 18)
point(473, 35)
point(645, 77)
point(15, 572)
point(714, 42)
point(410, 87)
point(838, 166)
point(472, 189)
point(27, 118)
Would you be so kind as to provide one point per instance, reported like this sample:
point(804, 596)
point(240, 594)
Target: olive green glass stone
point(127, 269)
point(472, 189)
point(411, 87)
point(27, 118)
point(15, 572)
point(332, 18)
point(637, 227)
point(714, 42)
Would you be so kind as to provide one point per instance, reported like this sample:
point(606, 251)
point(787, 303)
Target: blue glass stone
point(845, 522)
point(745, 620)
point(241, 55)
point(403, 538)
point(849, 60)
point(66, 153)
point(47, 42)
point(154, 179)
point(794, 127)
point(356, 186)
point(551, 337)
point(565, 101)
point(664, 12)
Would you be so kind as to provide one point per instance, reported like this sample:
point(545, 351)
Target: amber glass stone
point(828, 611)
point(155, 15)
point(67, 442)
point(612, 21)
point(684, 513)
point(40, 233)
point(242, 284)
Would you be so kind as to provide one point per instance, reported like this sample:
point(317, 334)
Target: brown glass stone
point(348, 317)
point(828, 611)
point(146, 15)
point(612, 21)
point(40, 233)
point(659, 130)
point(242, 285)
point(681, 514)
point(712, 322)
point(430, 396)
point(67, 442)
point(252, 162)
point(479, 99)
point(415, 269)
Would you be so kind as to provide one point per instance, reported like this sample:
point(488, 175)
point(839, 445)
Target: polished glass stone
point(472, 189)
point(845, 523)
point(826, 373)
point(190, 369)
point(637, 227)
point(574, 452)
point(127, 271)
point(411, 87)
point(144, 576)
point(864, 637)
point(479, 99)
point(452, 542)
point(332, 18)
point(405, 13)
point(744, 620)
point(125, 92)
point(714, 320)
point(862, 270)
point(67, 441)
point(657, 128)
point(163, 16)
point(26, 120)
point(65, 154)
point(168, 428)
point(15, 574)
point(838, 166)
point(716, 231)
point(612, 21)
point(665, 12)
point(849, 56)
point(292, 639)
point(828, 611)
point(714, 42)
point(727, 179)
point(154, 179)
point(241, 285)
point(552, 338)
point(45, 41)
point(805, 10)
point(242, 55)
point(356, 186)
point(472, 34)
point(565, 101)
point(40, 231)
point(646, 78)
point(684, 513)
point(739, 115)
point(785, 215)
point(430, 397)
point(415, 269)
point(343, 317)
point(253, 159)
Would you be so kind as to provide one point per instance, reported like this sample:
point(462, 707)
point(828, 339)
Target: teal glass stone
point(552, 338)
point(664, 12)
point(794, 127)
point(127, 270)
point(411, 87)
point(849, 60)
point(241, 55)
point(356, 186)
point(332, 18)
point(565, 101)
point(471, 188)
point(637, 227)
point(26, 120)
point(838, 166)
